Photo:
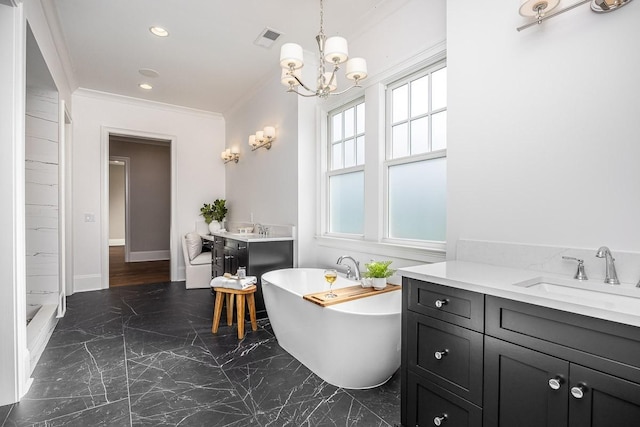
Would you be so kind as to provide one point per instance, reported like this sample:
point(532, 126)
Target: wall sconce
point(538, 8)
point(262, 138)
point(229, 155)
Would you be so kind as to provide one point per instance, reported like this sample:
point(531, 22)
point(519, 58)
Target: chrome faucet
point(610, 269)
point(356, 264)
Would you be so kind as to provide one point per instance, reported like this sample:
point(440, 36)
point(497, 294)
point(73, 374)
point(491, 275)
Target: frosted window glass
point(400, 100)
point(439, 89)
point(420, 136)
point(399, 141)
point(360, 150)
point(349, 153)
point(360, 118)
point(417, 200)
point(420, 96)
point(349, 122)
point(346, 203)
point(336, 127)
point(336, 156)
point(439, 137)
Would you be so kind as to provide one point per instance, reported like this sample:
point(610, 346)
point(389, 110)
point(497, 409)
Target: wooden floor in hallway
point(123, 273)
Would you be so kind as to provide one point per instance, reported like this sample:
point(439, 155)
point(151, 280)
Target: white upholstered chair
point(197, 268)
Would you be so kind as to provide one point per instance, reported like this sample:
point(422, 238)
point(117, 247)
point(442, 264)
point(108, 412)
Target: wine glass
point(330, 276)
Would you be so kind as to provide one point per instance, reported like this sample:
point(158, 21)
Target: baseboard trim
point(142, 256)
point(116, 242)
point(87, 282)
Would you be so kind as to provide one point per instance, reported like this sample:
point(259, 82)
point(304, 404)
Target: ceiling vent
point(267, 37)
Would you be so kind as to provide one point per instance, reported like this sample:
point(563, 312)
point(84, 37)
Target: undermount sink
point(615, 296)
point(245, 235)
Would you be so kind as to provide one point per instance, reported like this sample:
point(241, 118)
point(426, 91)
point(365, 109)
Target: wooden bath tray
point(347, 294)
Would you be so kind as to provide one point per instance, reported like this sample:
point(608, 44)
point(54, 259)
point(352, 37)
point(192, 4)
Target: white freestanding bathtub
point(353, 345)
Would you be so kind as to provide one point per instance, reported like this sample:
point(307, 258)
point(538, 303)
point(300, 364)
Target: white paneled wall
point(41, 196)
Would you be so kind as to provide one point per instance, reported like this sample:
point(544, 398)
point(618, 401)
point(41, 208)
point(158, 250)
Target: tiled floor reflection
point(145, 356)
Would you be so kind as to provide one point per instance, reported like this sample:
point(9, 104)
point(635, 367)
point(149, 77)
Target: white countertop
point(247, 237)
point(499, 281)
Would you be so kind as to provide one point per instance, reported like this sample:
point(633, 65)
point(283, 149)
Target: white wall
point(544, 139)
point(263, 182)
point(14, 357)
point(200, 177)
point(41, 194)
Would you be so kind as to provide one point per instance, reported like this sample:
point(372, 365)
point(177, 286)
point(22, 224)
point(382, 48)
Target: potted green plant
point(207, 212)
point(378, 272)
point(219, 210)
point(214, 213)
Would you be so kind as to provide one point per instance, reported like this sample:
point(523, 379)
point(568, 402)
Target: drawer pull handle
point(578, 391)
point(555, 383)
point(441, 303)
point(440, 354)
point(437, 421)
point(228, 257)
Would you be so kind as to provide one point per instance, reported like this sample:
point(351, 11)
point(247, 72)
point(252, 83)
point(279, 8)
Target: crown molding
point(60, 43)
point(138, 102)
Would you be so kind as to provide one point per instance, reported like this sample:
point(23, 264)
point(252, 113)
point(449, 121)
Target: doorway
point(139, 210)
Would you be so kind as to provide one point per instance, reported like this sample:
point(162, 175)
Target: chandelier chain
point(321, 18)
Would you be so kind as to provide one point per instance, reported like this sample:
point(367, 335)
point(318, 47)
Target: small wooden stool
point(230, 295)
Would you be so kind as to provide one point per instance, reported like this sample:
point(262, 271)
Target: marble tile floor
point(145, 356)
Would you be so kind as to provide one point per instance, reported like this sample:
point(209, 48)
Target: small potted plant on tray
point(378, 272)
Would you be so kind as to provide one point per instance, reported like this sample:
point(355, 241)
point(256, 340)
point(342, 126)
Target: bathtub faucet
point(356, 264)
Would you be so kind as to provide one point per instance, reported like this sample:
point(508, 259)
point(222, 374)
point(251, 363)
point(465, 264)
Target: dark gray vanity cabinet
point(217, 256)
point(258, 258)
point(515, 364)
point(442, 355)
point(545, 367)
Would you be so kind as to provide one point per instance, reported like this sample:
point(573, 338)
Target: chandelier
point(334, 51)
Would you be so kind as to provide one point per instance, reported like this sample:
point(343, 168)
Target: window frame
point(388, 162)
point(373, 241)
point(328, 163)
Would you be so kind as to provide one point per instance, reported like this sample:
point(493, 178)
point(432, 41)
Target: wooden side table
point(230, 295)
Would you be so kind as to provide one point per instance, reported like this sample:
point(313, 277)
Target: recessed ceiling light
point(148, 72)
point(159, 31)
point(145, 86)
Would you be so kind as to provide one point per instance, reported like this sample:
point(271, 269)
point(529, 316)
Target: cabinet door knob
point(441, 302)
point(437, 421)
point(440, 354)
point(555, 383)
point(578, 391)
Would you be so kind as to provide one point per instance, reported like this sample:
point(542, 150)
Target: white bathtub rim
point(345, 307)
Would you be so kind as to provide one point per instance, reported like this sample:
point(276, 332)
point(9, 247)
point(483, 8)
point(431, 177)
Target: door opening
point(139, 210)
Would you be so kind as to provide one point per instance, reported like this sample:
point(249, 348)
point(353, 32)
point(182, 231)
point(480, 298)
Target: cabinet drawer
point(426, 402)
point(586, 340)
point(446, 354)
point(235, 244)
point(458, 306)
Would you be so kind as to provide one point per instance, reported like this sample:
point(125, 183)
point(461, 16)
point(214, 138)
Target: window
point(346, 169)
point(416, 156)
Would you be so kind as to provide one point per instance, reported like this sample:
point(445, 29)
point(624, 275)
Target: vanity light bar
point(598, 6)
point(540, 19)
